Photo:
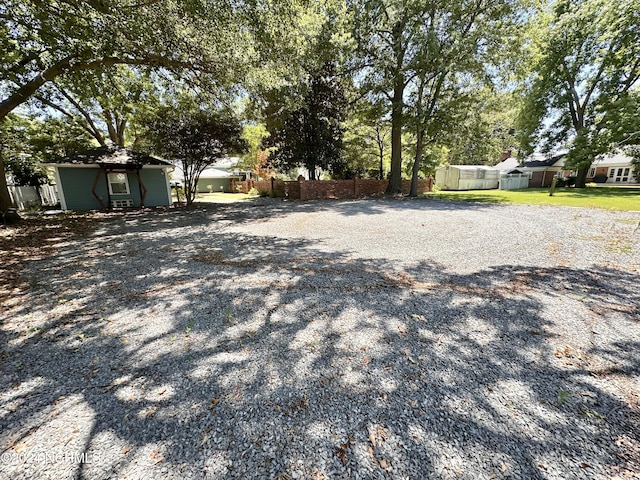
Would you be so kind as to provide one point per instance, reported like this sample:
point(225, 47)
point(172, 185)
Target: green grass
point(610, 198)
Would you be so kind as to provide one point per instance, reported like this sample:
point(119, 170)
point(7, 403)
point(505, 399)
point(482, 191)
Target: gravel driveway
point(327, 340)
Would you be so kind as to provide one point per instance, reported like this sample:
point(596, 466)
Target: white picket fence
point(27, 197)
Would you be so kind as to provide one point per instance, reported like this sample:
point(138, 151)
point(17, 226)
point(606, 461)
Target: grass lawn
point(610, 198)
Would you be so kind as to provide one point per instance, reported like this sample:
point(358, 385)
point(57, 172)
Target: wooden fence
point(318, 189)
point(27, 197)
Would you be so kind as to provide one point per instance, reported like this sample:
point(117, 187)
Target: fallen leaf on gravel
point(156, 456)
point(383, 464)
point(341, 451)
point(161, 392)
point(366, 361)
point(21, 447)
point(370, 450)
point(125, 450)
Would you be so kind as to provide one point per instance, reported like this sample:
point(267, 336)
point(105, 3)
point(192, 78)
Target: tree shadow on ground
point(159, 347)
point(253, 210)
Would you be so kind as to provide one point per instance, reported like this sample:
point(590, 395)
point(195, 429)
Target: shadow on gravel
point(162, 349)
point(253, 210)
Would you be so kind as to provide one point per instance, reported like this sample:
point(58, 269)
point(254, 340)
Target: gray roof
point(107, 156)
point(544, 162)
point(507, 164)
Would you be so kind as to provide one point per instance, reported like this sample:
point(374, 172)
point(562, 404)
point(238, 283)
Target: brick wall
point(599, 171)
point(320, 189)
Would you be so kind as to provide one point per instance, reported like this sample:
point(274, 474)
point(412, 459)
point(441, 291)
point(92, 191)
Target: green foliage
point(634, 152)
point(310, 135)
point(488, 129)
point(108, 104)
point(195, 138)
point(367, 141)
point(25, 143)
point(428, 57)
point(585, 81)
point(255, 159)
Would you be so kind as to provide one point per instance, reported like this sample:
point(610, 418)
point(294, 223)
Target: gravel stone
point(366, 339)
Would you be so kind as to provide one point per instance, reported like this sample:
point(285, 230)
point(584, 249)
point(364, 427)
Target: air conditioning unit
point(127, 202)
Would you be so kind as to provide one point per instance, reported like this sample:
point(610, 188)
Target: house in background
point(216, 180)
point(617, 168)
point(111, 177)
point(507, 164)
point(542, 168)
point(217, 177)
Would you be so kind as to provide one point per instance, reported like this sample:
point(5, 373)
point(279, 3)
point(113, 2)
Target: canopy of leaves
point(426, 55)
point(194, 138)
point(587, 69)
point(25, 143)
point(309, 136)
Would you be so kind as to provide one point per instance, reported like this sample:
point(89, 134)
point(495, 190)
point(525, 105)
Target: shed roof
point(469, 167)
point(110, 156)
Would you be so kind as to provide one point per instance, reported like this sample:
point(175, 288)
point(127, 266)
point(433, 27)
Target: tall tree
point(368, 140)
point(41, 42)
point(310, 135)
point(194, 138)
point(108, 104)
point(586, 71)
point(424, 44)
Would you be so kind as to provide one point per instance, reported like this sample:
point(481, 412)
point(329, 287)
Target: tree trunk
point(416, 163)
point(395, 182)
point(581, 179)
point(380, 142)
point(5, 200)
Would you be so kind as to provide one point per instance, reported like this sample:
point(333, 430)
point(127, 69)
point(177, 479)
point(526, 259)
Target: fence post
point(303, 188)
point(273, 180)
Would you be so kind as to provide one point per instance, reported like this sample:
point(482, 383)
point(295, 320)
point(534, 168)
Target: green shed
point(111, 177)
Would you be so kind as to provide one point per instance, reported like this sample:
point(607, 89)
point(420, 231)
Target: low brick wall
point(320, 189)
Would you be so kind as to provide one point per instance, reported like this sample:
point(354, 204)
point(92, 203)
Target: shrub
point(561, 182)
point(600, 178)
point(253, 191)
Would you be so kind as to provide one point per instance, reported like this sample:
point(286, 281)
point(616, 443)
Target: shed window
point(118, 184)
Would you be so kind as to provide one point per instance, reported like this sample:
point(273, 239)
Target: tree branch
point(26, 91)
point(95, 131)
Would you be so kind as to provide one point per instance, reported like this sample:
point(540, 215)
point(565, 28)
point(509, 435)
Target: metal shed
point(467, 177)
